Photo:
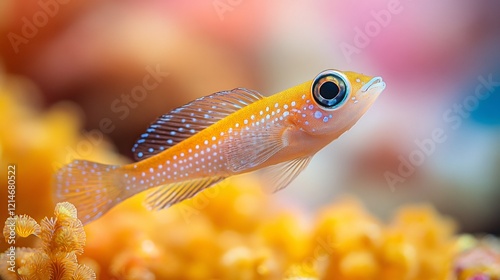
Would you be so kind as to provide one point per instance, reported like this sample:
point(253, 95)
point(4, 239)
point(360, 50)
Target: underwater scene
point(234, 139)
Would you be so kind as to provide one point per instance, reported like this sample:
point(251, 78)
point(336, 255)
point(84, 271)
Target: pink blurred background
point(430, 54)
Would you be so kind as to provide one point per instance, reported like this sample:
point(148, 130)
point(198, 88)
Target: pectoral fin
point(247, 148)
point(277, 177)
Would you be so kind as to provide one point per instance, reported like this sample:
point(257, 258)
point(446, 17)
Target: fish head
point(335, 101)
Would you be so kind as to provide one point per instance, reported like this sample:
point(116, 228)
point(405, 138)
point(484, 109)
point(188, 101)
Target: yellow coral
point(22, 225)
point(358, 246)
point(25, 226)
point(65, 211)
point(39, 142)
point(35, 266)
point(303, 271)
point(62, 238)
point(478, 258)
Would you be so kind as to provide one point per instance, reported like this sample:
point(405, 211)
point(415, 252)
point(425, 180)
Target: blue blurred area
point(488, 112)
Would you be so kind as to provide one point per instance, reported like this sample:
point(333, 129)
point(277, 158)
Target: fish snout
point(375, 85)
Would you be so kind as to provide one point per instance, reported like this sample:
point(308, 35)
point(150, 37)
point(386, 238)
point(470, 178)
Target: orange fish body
point(221, 135)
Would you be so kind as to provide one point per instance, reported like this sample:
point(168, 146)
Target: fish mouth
point(375, 83)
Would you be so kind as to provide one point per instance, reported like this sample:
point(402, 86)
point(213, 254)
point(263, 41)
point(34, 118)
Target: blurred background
point(81, 65)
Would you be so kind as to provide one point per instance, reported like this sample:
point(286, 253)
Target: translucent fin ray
point(279, 176)
point(184, 122)
point(250, 148)
point(168, 195)
point(92, 187)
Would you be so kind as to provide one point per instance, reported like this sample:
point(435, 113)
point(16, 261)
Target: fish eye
point(330, 89)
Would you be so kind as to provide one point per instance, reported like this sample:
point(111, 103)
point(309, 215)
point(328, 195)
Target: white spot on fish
point(318, 114)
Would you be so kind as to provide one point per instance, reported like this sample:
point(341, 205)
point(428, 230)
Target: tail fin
point(93, 188)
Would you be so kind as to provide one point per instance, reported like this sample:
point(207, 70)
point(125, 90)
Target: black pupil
point(329, 90)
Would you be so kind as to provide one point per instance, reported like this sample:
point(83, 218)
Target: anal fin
point(168, 195)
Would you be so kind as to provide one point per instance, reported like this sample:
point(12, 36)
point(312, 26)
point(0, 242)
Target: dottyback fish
point(220, 135)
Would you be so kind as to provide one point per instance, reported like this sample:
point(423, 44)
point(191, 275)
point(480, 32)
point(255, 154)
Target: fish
point(224, 134)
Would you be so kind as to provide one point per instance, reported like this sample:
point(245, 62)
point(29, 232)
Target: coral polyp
point(62, 238)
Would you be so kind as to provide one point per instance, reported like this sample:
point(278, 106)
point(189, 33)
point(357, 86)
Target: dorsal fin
point(185, 121)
